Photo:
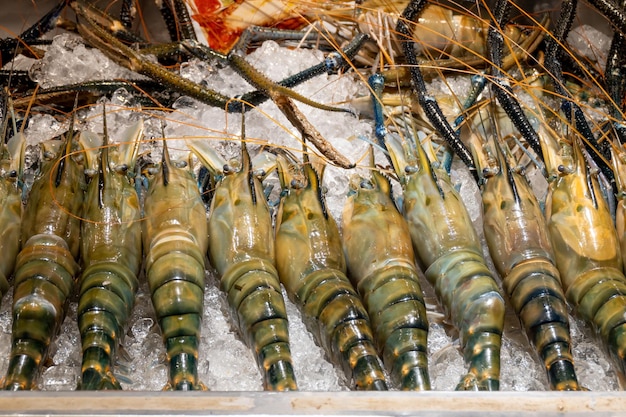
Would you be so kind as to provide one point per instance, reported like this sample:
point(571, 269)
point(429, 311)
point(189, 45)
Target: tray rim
point(246, 403)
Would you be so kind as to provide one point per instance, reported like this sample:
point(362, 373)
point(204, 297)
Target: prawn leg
point(143, 89)
point(48, 22)
point(177, 20)
point(430, 106)
point(616, 86)
point(500, 86)
point(613, 11)
point(572, 111)
point(137, 62)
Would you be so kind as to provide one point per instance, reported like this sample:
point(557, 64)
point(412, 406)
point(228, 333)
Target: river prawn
point(46, 267)
point(11, 178)
point(518, 241)
point(312, 268)
point(381, 265)
point(176, 240)
point(586, 247)
point(618, 160)
point(450, 253)
point(454, 264)
point(111, 255)
point(241, 248)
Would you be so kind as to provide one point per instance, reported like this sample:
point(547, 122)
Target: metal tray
point(425, 404)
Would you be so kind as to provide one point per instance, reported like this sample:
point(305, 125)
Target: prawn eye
point(90, 173)
point(366, 184)
point(121, 169)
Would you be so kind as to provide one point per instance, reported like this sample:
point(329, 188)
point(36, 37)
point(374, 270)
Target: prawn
point(518, 241)
point(586, 248)
point(241, 248)
point(450, 252)
point(46, 267)
point(381, 265)
point(176, 240)
point(11, 177)
point(312, 267)
point(111, 256)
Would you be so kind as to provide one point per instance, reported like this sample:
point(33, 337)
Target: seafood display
point(453, 221)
